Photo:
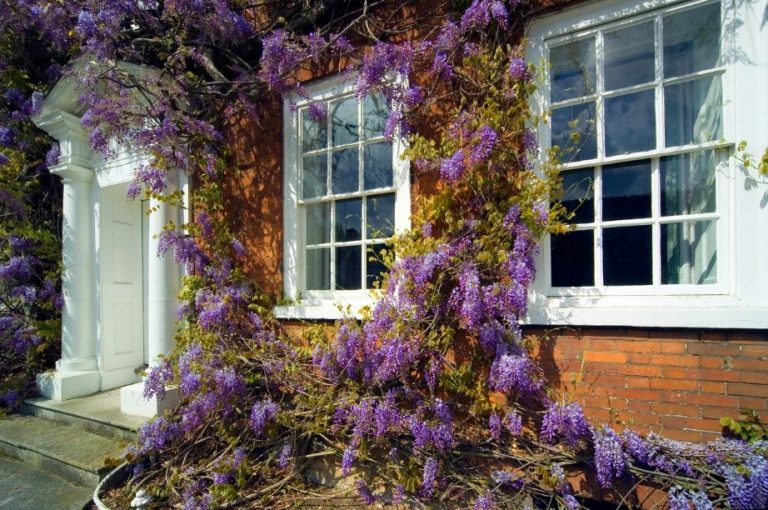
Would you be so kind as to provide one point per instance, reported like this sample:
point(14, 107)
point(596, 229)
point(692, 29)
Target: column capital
point(72, 173)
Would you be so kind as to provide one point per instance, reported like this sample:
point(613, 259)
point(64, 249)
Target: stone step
point(98, 413)
point(24, 487)
point(63, 449)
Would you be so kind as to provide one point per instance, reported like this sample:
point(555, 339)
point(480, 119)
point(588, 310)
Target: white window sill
point(325, 309)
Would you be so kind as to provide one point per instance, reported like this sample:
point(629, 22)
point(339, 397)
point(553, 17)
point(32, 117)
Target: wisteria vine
point(433, 395)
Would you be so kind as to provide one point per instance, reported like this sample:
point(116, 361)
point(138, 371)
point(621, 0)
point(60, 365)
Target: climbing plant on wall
point(433, 394)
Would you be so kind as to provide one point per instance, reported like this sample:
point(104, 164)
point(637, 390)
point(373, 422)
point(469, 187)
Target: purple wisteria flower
point(261, 414)
point(494, 426)
point(513, 422)
point(429, 477)
point(566, 422)
point(518, 69)
point(610, 459)
point(348, 460)
point(7, 137)
point(365, 492)
point(451, 169)
point(159, 376)
point(485, 502)
point(285, 456)
point(486, 138)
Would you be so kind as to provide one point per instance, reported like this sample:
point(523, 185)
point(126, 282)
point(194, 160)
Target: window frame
point(736, 297)
point(325, 304)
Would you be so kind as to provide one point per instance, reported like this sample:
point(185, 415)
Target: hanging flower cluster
point(433, 394)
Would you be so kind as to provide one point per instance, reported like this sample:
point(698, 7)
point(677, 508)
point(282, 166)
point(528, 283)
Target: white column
point(163, 274)
point(78, 335)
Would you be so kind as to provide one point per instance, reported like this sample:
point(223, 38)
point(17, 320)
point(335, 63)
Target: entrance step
point(98, 413)
point(63, 449)
point(25, 487)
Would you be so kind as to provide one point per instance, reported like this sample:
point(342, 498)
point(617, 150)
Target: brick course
point(678, 382)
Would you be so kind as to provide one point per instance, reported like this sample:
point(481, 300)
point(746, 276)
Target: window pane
point(693, 112)
point(348, 270)
point(319, 269)
point(630, 123)
point(381, 216)
point(313, 135)
point(319, 223)
point(691, 40)
point(344, 118)
point(689, 253)
point(349, 220)
point(375, 114)
point(627, 191)
point(345, 174)
point(572, 72)
point(315, 176)
point(374, 267)
point(629, 56)
point(627, 256)
point(688, 183)
point(573, 130)
point(578, 195)
point(573, 259)
point(377, 165)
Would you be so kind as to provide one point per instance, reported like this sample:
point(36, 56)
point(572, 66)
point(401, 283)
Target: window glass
point(348, 268)
point(689, 253)
point(318, 269)
point(627, 255)
point(627, 191)
point(377, 165)
point(572, 71)
point(345, 174)
point(375, 115)
point(344, 121)
point(573, 257)
point(573, 130)
point(691, 40)
point(693, 111)
point(578, 195)
point(315, 172)
point(319, 223)
point(314, 134)
point(629, 56)
point(381, 216)
point(349, 220)
point(688, 183)
point(630, 123)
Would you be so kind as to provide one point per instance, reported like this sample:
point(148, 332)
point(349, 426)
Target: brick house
point(652, 311)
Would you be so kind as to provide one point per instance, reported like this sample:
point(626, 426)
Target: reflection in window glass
point(572, 72)
point(630, 123)
point(573, 257)
point(377, 165)
point(349, 220)
point(344, 121)
point(315, 172)
point(691, 40)
point(578, 195)
point(629, 56)
point(689, 253)
point(348, 268)
point(318, 269)
point(573, 130)
point(313, 135)
point(627, 256)
point(688, 183)
point(375, 268)
point(627, 191)
point(375, 115)
point(319, 223)
point(693, 112)
point(345, 176)
point(381, 216)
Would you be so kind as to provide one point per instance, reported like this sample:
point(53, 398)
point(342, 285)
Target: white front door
point(122, 263)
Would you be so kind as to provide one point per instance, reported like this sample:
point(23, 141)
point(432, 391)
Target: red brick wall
point(676, 382)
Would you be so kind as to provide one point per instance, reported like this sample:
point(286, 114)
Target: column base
point(76, 365)
point(132, 401)
point(66, 385)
